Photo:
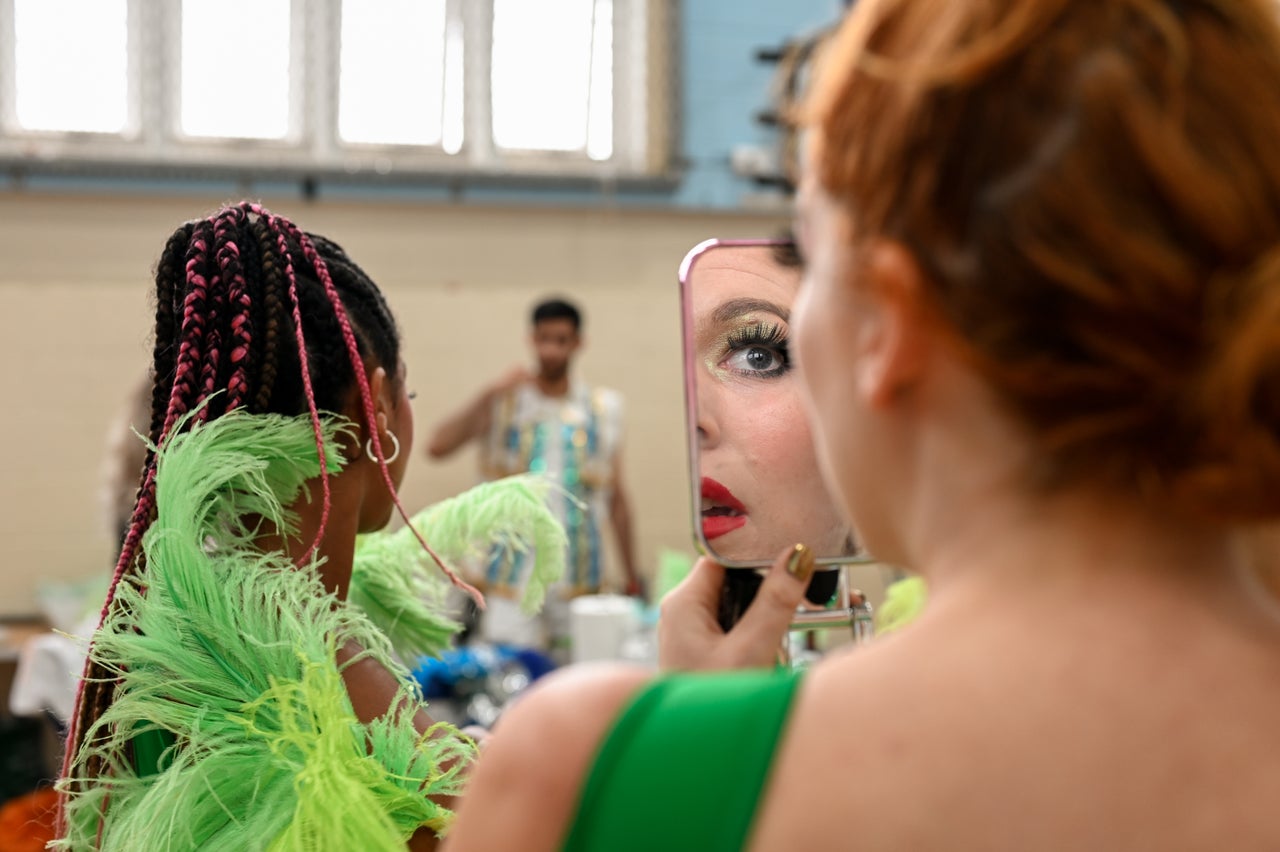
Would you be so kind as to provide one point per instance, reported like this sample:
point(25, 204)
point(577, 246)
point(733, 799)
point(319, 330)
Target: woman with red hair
point(1040, 337)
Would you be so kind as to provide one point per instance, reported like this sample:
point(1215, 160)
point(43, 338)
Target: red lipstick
point(721, 511)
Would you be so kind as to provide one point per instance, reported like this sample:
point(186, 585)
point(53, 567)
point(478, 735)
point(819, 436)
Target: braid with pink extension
point(184, 381)
point(212, 349)
point(215, 349)
point(194, 322)
point(366, 396)
point(304, 365)
point(184, 371)
point(228, 256)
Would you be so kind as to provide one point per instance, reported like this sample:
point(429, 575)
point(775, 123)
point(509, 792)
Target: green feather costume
point(226, 656)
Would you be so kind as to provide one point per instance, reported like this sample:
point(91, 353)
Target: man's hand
point(690, 637)
point(509, 381)
point(473, 419)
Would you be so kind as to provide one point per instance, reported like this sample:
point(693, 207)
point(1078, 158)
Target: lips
point(721, 511)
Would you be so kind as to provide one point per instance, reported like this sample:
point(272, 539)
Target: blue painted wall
point(724, 87)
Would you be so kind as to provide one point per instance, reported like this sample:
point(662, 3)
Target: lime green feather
point(398, 586)
point(229, 654)
point(904, 600)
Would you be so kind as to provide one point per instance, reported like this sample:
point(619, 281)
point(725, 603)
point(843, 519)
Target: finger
point(771, 613)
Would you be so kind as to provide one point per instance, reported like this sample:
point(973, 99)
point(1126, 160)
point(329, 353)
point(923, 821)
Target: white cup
point(599, 626)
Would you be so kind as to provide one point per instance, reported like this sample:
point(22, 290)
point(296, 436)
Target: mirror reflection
point(757, 484)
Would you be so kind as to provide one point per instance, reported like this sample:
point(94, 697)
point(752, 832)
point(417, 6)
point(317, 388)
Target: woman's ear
point(380, 391)
point(893, 339)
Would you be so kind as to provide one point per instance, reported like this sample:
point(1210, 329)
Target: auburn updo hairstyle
point(1092, 190)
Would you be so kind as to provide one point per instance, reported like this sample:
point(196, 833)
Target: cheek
point(403, 429)
point(805, 336)
point(793, 458)
point(407, 437)
point(778, 434)
point(763, 436)
point(820, 363)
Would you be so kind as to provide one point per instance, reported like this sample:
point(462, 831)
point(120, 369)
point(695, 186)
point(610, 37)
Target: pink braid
point(188, 356)
point(304, 362)
point(137, 526)
point(193, 323)
point(228, 256)
point(366, 396)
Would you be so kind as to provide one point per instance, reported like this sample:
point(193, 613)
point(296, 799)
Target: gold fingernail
point(800, 563)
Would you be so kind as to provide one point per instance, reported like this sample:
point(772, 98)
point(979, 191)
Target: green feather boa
point(229, 653)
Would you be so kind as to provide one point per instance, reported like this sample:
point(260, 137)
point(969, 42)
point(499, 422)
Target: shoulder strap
point(684, 766)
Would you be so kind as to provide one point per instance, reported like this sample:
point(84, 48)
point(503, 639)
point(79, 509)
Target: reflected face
point(760, 485)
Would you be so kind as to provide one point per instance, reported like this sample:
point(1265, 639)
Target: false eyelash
point(759, 334)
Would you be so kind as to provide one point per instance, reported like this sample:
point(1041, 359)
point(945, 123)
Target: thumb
point(774, 608)
point(698, 591)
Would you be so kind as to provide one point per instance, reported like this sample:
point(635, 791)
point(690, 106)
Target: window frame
point(152, 144)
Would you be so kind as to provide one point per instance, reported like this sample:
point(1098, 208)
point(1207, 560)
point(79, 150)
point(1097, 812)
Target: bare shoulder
point(1000, 732)
point(527, 780)
point(874, 722)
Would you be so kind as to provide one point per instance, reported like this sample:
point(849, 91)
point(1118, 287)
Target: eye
point(758, 351)
point(413, 394)
point(757, 359)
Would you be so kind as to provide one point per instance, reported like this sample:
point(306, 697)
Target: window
point(550, 92)
point(87, 95)
point(411, 56)
point(557, 88)
point(235, 95)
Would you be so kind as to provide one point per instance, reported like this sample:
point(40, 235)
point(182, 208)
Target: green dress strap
point(684, 766)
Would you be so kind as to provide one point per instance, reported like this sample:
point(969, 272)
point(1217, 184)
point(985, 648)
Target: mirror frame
point(688, 351)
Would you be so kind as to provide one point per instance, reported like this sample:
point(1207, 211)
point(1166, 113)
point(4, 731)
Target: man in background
point(548, 422)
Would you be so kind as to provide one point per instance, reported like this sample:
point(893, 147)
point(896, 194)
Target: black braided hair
point(226, 337)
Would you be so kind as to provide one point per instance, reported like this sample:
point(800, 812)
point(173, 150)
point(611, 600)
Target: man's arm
point(473, 419)
point(620, 517)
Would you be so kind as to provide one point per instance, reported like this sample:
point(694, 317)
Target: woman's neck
point(336, 550)
point(1039, 555)
point(1082, 531)
point(968, 508)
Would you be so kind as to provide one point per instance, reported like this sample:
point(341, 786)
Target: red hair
point(1092, 190)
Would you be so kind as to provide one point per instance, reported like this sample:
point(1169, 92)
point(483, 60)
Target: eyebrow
point(735, 308)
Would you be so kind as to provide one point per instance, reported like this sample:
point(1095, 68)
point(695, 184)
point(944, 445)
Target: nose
point(707, 422)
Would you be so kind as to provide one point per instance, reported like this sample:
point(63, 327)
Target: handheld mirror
point(756, 484)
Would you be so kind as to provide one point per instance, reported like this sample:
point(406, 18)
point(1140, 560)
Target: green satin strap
point(684, 766)
point(149, 748)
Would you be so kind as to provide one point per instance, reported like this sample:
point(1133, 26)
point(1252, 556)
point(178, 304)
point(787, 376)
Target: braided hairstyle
point(254, 314)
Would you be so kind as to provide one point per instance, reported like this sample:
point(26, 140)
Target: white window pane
point(70, 68)
point(391, 85)
point(454, 94)
point(543, 56)
point(600, 117)
point(235, 68)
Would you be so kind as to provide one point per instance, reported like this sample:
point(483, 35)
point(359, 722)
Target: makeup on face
point(746, 338)
point(757, 485)
point(721, 511)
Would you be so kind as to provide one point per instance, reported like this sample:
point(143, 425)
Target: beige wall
point(74, 297)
